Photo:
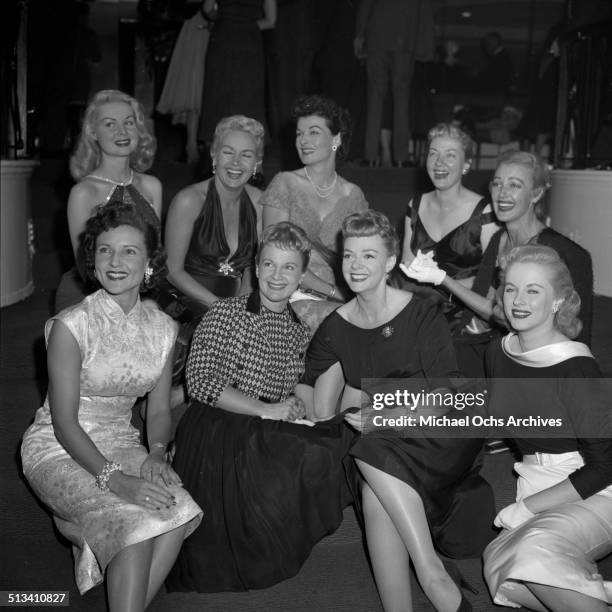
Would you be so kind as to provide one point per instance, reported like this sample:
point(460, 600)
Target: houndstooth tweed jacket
point(230, 348)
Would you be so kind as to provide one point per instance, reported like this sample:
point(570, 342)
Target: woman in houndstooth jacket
point(270, 485)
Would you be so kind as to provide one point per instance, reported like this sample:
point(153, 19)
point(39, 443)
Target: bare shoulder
point(148, 181)
point(149, 186)
point(190, 198)
point(86, 195)
point(86, 188)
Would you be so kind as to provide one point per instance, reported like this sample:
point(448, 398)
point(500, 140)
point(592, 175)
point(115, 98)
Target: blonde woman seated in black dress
point(272, 487)
point(561, 522)
point(417, 491)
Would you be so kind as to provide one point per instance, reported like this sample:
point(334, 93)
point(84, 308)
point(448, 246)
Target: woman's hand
point(513, 516)
point(156, 469)
point(358, 418)
point(289, 410)
point(140, 491)
point(424, 269)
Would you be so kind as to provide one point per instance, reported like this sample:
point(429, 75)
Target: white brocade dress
point(122, 357)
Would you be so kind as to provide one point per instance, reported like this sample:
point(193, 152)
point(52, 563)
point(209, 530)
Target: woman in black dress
point(451, 221)
point(211, 233)
point(561, 522)
point(517, 192)
point(272, 487)
point(212, 226)
point(412, 485)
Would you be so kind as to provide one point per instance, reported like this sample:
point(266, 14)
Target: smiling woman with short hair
point(272, 487)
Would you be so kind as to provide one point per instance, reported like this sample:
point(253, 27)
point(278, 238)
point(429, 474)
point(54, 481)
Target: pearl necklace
point(322, 192)
point(113, 181)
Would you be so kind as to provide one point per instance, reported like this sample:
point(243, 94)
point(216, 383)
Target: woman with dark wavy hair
point(114, 150)
point(122, 506)
point(561, 522)
point(316, 198)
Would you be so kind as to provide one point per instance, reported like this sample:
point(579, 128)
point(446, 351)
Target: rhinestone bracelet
point(105, 473)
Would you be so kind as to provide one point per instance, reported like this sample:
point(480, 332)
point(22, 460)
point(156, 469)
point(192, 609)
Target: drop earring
point(214, 168)
point(147, 276)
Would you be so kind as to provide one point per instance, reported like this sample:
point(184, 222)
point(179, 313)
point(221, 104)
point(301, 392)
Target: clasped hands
point(424, 269)
point(291, 409)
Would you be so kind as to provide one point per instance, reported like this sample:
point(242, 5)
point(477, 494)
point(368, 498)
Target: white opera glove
point(513, 516)
point(424, 269)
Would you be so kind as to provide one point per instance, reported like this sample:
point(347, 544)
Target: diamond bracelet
point(105, 473)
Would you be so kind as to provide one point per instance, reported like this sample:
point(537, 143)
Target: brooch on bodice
point(387, 331)
point(225, 267)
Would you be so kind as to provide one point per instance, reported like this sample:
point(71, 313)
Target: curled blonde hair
point(239, 123)
point(540, 172)
point(456, 133)
point(87, 154)
point(566, 317)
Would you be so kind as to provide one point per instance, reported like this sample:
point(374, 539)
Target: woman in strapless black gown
point(413, 485)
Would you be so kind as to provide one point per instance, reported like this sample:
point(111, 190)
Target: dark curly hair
point(371, 223)
point(566, 315)
point(337, 118)
point(112, 215)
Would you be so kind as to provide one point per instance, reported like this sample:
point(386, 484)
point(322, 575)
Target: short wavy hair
point(566, 318)
point(539, 170)
point(288, 236)
point(450, 130)
point(87, 154)
point(239, 123)
point(372, 223)
point(337, 118)
point(112, 215)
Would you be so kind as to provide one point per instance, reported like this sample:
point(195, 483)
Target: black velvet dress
point(416, 343)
